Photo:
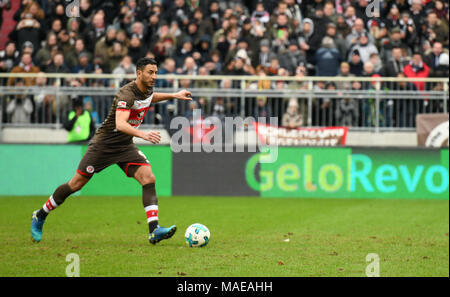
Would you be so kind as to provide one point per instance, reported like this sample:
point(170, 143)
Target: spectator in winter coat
point(125, 67)
point(306, 37)
point(433, 59)
point(395, 65)
point(327, 58)
point(338, 40)
point(356, 65)
point(347, 112)
point(377, 64)
point(58, 65)
point(20, 108)
point(101, 47)
point(115, 55)
point(43, 56)
point(28, 29)
point(358, 29)
point(71, 59)
point(365, 48)
point(168, 67)
point(417, 68)
point(262, 110)
point(342, 28)
point(417, 13)
point(25, 66)
point(344, 71)
point(260, 13)
point(83, 65)
point(8, 57)
point(437, 29)
point(292, 118)
point(264, 56)
point(395, 41)
point(136, 50)
point(443, 69)
point(280, 33)
point(95, 31)
point(292, 58)
point(439, 9)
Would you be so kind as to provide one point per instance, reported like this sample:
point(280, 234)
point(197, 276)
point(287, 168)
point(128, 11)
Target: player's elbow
point(120, 125)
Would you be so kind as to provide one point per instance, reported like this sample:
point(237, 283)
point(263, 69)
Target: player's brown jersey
point(130, 98)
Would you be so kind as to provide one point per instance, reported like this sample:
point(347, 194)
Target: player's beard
point(149, 86)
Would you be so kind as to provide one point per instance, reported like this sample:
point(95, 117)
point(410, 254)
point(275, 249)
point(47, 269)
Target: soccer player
point(113, 144)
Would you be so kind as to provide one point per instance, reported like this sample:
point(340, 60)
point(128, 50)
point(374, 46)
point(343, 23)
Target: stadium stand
point(296, 38)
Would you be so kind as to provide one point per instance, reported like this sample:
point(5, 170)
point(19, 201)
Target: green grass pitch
point(328, 237)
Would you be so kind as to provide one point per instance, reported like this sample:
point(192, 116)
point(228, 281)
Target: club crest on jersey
point(122, 104)
point(90, 169)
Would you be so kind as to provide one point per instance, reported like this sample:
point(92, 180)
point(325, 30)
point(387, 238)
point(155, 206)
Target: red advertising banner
point(326, 136)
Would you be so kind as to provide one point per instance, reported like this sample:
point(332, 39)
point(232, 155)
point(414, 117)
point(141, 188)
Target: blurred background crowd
point(409, 38)
point(316, 37)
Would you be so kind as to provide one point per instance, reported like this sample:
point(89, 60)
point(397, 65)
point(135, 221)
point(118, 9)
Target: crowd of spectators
point(410, 38)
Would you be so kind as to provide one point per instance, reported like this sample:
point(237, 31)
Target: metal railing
point(362, 103)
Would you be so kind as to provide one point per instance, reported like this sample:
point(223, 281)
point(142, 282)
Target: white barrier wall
point(57, 136)
point(47, 135)
point(402, 139)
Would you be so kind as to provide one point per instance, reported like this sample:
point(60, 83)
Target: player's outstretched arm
point(123, 126)
point(181, 95)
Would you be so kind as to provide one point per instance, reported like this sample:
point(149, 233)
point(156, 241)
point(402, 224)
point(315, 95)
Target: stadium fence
point(361, 103)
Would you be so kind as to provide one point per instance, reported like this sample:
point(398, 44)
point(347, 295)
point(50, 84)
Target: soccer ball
point(197, 235)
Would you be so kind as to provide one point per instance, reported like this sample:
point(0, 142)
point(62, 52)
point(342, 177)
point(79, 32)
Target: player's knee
point(148, 179)
point(76, 185)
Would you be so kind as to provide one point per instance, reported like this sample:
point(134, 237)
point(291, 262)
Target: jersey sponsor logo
point(121, 104)
point(134, 123)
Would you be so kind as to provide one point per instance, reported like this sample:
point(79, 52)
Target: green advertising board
point(36, 169)
point(351, 173)
point(380, 173)
point(39, 169)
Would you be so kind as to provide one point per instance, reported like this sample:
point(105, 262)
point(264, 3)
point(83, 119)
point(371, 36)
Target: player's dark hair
point(142, 62)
